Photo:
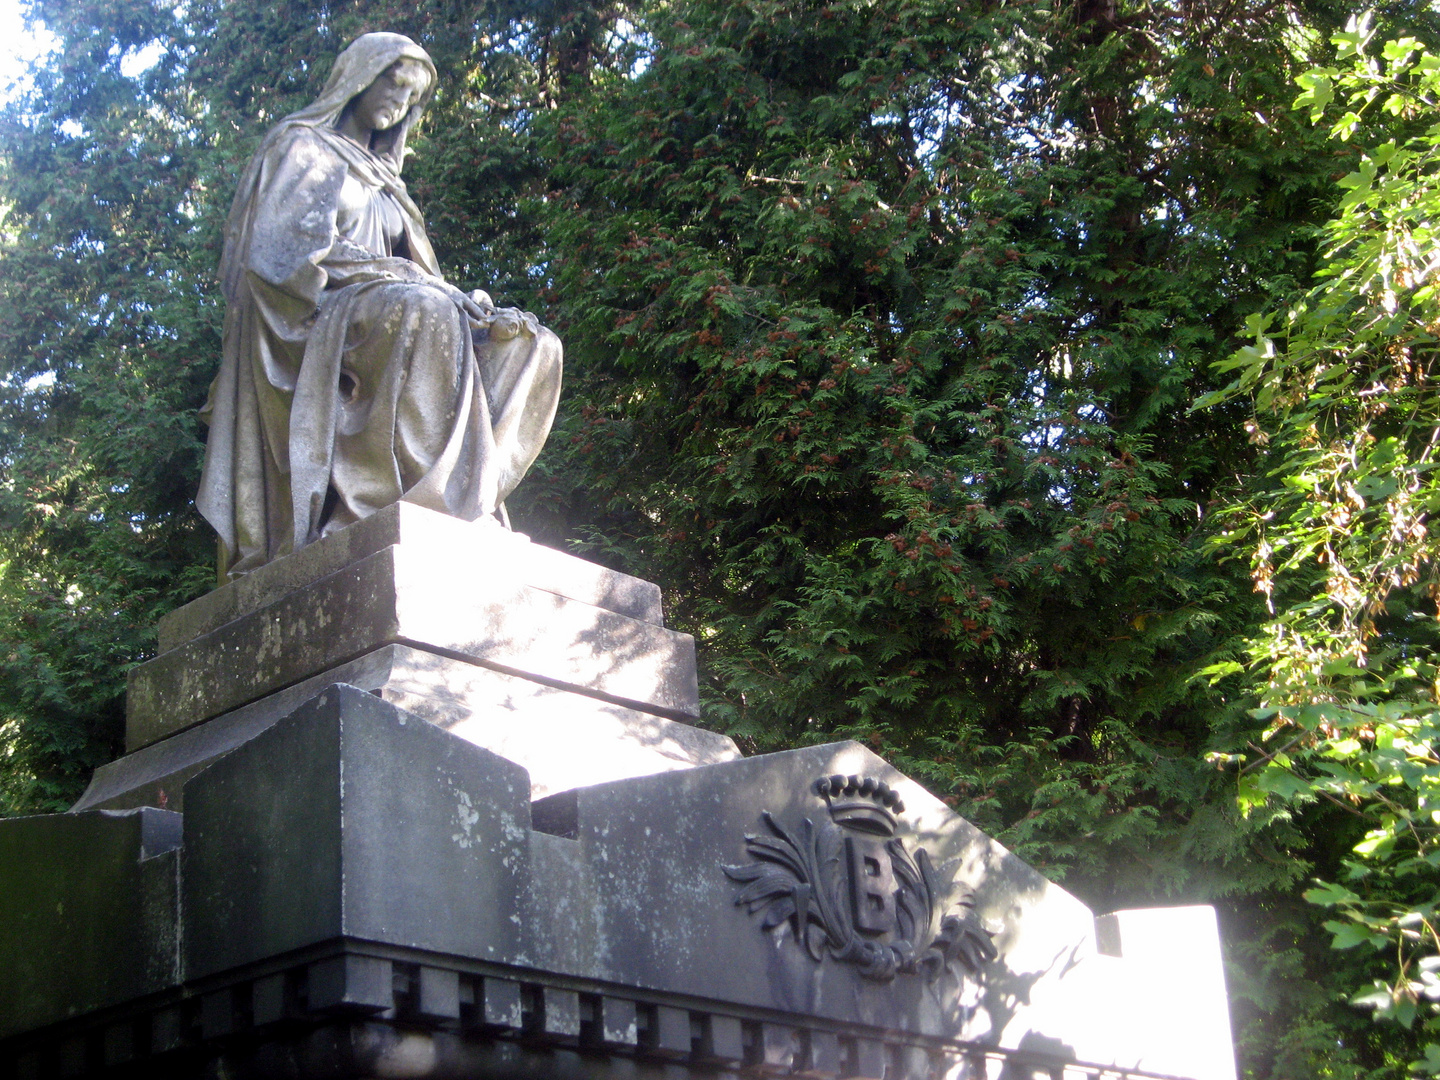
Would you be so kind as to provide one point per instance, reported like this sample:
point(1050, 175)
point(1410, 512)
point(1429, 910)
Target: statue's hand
point(503, 323)
point(511, 322)
point(478, 311)
point(506, 325)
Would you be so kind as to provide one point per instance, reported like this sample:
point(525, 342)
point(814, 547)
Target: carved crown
point(862, 803)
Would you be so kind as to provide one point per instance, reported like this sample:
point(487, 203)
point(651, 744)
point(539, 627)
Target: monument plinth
point(421, 801)
point(510, 645)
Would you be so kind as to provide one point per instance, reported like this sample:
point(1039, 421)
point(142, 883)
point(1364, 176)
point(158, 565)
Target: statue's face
point(385, 102)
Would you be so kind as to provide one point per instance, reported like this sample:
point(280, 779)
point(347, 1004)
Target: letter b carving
point(872, 885)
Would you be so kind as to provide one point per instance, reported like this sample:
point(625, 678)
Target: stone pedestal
point(536, 868)
point(515, 647)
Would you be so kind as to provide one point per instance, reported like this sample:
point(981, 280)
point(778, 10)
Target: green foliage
point(888, 390)
point(886, 383)
point(1341, 535)
point(104, 333)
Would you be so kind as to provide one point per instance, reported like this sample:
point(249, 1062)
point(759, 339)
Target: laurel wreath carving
point(802, 879)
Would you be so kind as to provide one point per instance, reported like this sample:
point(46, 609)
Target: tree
point(104, 329)
point(1341, 534)
point(883, 325)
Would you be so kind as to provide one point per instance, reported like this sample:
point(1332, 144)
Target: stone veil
point(353, 375)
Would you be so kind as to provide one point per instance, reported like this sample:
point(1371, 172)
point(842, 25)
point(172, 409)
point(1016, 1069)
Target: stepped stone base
point(564, 739)
point(551, 661)
point(470, 591)
point(482, 545)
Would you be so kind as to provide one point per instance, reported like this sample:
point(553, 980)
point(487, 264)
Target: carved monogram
point(850, 888)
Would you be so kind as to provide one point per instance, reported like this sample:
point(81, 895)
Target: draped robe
point(351, 378)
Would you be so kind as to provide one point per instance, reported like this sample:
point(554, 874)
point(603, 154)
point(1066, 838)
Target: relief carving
point(848, 887)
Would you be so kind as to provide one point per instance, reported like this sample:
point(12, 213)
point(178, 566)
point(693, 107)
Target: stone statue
point(353, 375)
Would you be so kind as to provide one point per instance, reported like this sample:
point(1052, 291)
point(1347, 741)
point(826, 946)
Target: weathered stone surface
point(521, 720)
point(672, 835)
point(88, 913)
point(1049, 993)
point(468, 546)
point(402, 595)
point(379, 826)
point(155, 774)
point(398, 384)
point(563, 739)
point(353, 861)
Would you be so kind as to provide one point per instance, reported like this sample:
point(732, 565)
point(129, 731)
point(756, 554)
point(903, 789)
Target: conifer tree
point(883, 323)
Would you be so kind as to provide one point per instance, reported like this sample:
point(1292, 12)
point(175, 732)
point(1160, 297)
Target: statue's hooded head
point(363, 61)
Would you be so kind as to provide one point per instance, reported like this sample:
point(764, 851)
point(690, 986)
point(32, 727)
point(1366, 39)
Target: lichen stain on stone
point(513, 830)
point(466, 817)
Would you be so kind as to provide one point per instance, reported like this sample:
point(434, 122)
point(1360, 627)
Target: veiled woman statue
point(353, 375)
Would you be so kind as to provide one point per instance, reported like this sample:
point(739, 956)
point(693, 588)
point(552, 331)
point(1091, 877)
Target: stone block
point(724, 1040)
point(910, 1063)
point(438, 994)
point(822, 1055)
point(362, 863)
point(516, 718)
point(100, 890)
point(217, 1013)
point(167, 1030)
point(379, 826)
point(399, 595)
point(269, 1000)
point(777, 1048)
point(671, 1032)
point(617, 1021)
point(118, 1044)
point(1186, 1030)
point(499, 1007)
point(465, 545)
point(529, 723)
point(868, 1061)
point(559, 1013)
point(654, 905)
point(351, 984)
